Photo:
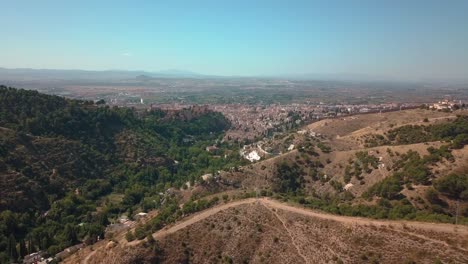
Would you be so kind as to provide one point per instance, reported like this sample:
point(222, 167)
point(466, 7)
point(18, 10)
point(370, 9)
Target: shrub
point(453, 185)
point(431, 195)
point(140, 233)
point(336, 185)
point(324, 148)
point(388, 188)
point(150, 238)
point(289, 178)
point(129, 236)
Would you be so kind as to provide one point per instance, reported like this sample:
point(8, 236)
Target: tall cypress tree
point(22, 248)
point(30, 246)
point(12, 251)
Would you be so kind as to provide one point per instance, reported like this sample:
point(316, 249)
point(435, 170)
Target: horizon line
point(337, 76)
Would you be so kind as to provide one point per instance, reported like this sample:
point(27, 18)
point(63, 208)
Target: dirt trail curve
point(195, 218)
point(278, 205)
point(461, 230)
point(365, 221)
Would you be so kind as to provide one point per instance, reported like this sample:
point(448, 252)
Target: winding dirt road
point(275, 205)
point(270, 203)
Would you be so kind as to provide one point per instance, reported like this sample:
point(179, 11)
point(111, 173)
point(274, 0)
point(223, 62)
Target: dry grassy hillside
point(384, 121)
point(331, 173)
point(347, 133)
point(270, 232)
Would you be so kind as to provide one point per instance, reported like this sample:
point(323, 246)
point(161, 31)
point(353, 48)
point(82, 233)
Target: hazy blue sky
point(402, 39)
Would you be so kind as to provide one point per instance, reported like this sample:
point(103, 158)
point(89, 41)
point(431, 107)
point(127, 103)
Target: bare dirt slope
point(267, 231)
point(347, 133)
point(352, 124)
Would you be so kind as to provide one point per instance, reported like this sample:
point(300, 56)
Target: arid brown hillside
point(355, 162)
point(266, 231)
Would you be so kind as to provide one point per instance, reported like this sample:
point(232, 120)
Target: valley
point(202, 237)
point(124, 185)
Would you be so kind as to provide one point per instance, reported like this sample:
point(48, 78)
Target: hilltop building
point(445, 104)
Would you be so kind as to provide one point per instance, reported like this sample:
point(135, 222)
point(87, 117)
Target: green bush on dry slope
point(453, 185)
point(456, 131)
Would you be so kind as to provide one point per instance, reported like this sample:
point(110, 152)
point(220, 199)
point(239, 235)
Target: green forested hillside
point(58, 157)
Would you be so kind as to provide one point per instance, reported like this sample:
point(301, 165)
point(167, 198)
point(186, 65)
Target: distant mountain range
point(27, 74)
point(48, 74)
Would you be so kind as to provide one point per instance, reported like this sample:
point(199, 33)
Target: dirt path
point(290, 236)
point(85, 260)
point(366, 221)
point(269, 203)
point(278, 205)
point(195, 218)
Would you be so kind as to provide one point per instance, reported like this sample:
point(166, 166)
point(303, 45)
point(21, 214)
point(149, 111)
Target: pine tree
point(70, 234)
point(103, 219)
point(45, 242)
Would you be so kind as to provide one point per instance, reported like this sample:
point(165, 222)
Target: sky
point(395, 39)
